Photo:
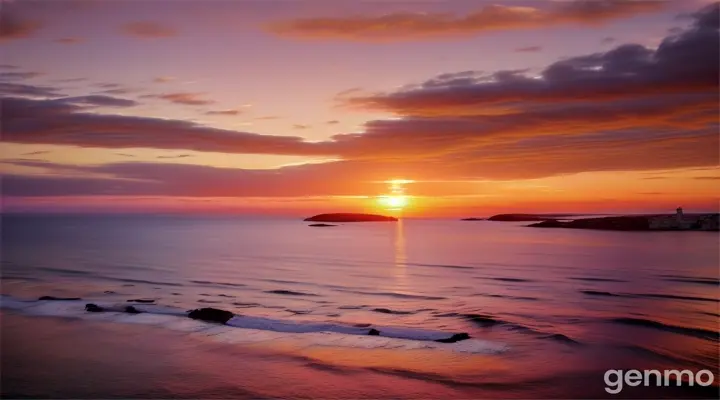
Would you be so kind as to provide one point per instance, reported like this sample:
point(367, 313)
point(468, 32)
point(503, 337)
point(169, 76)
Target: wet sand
point(63, 358)
point(51, 357)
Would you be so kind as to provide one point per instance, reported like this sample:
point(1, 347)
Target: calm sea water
point(556, 307)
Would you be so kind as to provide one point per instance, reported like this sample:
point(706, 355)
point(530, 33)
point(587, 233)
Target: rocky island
point(350, 217)
point(677, 222)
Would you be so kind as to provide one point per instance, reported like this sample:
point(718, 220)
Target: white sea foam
point(246, 329)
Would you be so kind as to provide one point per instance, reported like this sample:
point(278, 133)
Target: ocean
point(548, 311)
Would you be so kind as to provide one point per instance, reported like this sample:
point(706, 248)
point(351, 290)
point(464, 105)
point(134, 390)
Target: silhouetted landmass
point(473, 219)
point(350, 217)
point(703, 222)
point(321, 225)
point(527, 217)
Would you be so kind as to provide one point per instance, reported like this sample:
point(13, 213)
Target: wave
point(675, 297)
point(487, 321)
point(219, 283)
point(389, 311)
point(692, 279)
point(599, 293)
point(250, 329)
point(505, 279)
point(394, 294)
point(503, 296)
point(593, 279)
point(144, 281)
point(648, 295)
point(290, 293)
point(647, 323)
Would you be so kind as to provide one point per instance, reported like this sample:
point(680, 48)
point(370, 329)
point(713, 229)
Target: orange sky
point(306, 107)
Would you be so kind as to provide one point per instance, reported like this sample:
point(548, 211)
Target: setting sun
point(393, 202)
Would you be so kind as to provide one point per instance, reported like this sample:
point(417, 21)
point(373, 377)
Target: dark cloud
point(708, 178)
point(333, 122)
point(267, 118)
point(69, 40)
point(108, 85)
point(608, 40)
point(62, 122)
point(17, 89)
point(629, 70)
point(9, 66)
point(19, 75)
point(528, 49)
point(148, 30)
point(98, 101)
point(300, 126)
point(34, 153)
point(410, 26)
point(223, 112)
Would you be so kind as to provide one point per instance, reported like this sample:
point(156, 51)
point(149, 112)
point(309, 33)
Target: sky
point(425, 108)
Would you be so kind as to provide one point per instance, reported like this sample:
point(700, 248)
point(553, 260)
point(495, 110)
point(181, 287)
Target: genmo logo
point(615, 379)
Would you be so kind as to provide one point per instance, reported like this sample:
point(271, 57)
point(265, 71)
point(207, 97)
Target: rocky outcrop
point(473, 219)
point(132, 310)
point(350, 217)
point(59, 298)
point(455, 338)
point(211, 315)
point(93, 308)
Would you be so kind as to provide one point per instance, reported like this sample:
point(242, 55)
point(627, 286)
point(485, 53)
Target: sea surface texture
point(548, 311)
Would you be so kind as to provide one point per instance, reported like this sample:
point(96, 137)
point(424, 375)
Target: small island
point(350, 217)
point(321, 225)
point(473, 219)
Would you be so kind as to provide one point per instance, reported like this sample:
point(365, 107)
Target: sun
point(394, 202)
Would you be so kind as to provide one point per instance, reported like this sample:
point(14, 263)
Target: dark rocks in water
point(132, 310)
point(472, 219)
point(374, 332)
point(455, 338)
point(211, 315)
point(141, 301)
point(321, 225)
point(58, 298)
point(108, 292)
point(349, 217)
point(482, 320)
point(93, 308)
